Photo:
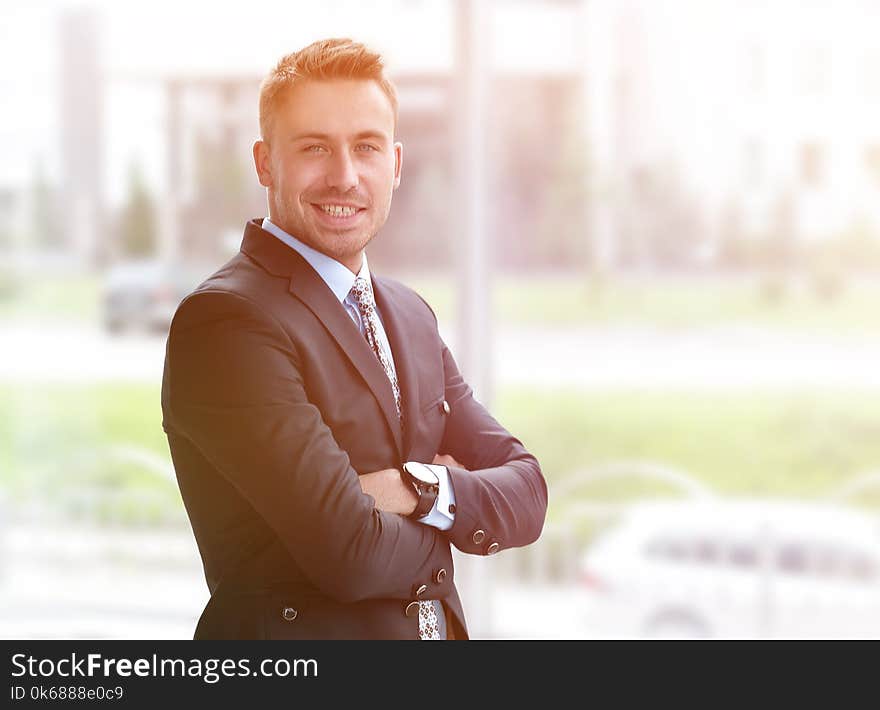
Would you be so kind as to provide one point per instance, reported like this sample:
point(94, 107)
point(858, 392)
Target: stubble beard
point(341, 245)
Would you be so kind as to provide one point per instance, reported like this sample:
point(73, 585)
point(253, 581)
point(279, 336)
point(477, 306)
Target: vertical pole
point(598, 70)
point(169, 247)
point(81, 129)
point(474, 286)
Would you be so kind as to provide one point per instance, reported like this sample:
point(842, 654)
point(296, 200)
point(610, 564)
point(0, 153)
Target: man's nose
point(342, 174)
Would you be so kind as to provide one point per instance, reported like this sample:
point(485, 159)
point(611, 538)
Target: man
point(327, 449)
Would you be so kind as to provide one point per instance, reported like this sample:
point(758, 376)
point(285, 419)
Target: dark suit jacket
point(273, 402)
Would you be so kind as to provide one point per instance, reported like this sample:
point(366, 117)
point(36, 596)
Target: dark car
point(143, 295)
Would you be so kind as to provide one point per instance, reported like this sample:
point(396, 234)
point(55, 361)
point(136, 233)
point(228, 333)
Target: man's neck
point(353, 263)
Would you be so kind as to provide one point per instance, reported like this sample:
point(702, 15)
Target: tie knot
point(362, 292)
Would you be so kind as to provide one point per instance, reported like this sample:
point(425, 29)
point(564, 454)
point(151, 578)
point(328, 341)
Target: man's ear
point(262, 164)
point(398, 163)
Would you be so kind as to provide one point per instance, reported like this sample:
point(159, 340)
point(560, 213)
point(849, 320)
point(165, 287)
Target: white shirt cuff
point(441, 515)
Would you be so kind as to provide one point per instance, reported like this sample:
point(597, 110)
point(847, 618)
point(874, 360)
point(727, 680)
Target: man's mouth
point(337, 211)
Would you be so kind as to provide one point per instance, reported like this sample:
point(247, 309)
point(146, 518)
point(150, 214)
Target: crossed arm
point(499, 491)
point(234, 390)
point(391, 494)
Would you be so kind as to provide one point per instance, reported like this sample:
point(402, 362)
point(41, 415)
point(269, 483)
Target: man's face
point(331, 165)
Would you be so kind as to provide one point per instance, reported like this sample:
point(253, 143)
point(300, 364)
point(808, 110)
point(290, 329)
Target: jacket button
point(452, 508)
point(420, 590)
point(288, 613)
point(444, 405)
point(440, 576)
point(412, 609)
point(479, 536)
point(493, 548)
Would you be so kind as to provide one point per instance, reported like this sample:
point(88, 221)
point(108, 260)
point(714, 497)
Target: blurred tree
point(734, 249)
point(825, 268)
point(420, 223)
point(45, 230)
point(780, 245)
point(777, 253)
point(221, 182)
point(223, 196)
point(7, 200)
point(832, 261)
point(137, 227)
point(563, 227)
point(538, 173)
point(859, 246)
point(661, 223)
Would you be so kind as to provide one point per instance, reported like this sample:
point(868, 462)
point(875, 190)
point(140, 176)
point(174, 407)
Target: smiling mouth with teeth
point(340, 210)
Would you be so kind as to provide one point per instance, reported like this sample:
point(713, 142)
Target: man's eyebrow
point(376, 135)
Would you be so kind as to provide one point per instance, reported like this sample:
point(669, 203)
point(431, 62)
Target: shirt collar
point(338, 278)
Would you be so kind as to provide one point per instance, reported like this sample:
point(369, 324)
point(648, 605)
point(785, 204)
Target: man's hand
point(447, 460)
point(389, 491)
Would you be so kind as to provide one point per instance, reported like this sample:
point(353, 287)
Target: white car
point(736, 569)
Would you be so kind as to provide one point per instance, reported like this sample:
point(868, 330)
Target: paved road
point(75, 581)
point(720, 358)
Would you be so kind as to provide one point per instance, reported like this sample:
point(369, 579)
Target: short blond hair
point(325, 59)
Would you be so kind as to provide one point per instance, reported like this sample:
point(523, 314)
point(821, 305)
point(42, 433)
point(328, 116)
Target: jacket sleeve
point(501, 501)
point(236, 392)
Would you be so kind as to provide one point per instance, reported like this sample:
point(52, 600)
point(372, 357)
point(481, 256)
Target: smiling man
point(327, 449)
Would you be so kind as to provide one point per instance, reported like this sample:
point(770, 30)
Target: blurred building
point(750, 117)
point(621, 132)
point(80, 106)
point(534, 92)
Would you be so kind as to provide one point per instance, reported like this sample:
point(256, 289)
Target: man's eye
point(314, 148)
point(367, 147)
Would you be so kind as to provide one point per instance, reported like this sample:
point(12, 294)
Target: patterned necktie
point(363, 296)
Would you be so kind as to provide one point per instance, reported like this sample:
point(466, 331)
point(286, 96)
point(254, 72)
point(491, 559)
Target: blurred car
point(144, 294)
point(736, 569)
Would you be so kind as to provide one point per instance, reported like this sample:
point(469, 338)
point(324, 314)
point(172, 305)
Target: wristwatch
point(427, 484)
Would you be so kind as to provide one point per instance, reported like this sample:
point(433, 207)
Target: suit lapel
point(395, 320)
point(307, 285)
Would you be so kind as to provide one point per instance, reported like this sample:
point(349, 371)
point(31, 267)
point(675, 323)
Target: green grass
point(797, 444)
point(61, 444)
point(50, 298)
point(56, 441)
point(568, 300)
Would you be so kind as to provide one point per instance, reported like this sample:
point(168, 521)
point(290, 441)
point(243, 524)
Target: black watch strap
point(427, 495)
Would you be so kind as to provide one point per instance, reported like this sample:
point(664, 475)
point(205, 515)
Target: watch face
point(422, 473)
